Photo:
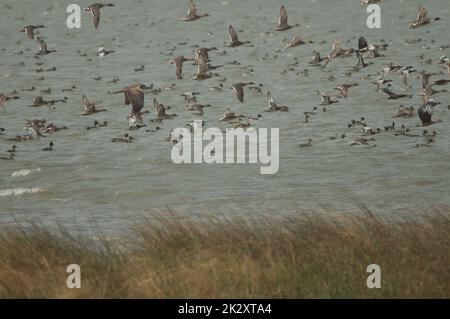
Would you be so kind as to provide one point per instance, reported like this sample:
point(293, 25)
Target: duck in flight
point(296, 41)
point(94, 9)
point(160, 110)
point(134, 95)
point(2, 101)
point(425, 113)
point(337, 51)
point(229, 116)
point(89, 106)
point(204, 52)
point(422, 19)
point(344, 88)
point(327, 99)
point(238, 88)
point(43, 50)
point(178, 62)
point(361, 64)
point(395, 96)
point(202, 70)
point(192, 13)
point(283, 21)
point(234, 40)
point(273, 107)
point(29, 30)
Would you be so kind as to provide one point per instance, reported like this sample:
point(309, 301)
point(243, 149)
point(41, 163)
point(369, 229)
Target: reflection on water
point(87, 178)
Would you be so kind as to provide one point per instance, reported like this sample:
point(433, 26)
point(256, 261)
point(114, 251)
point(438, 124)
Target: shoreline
point(302, 256)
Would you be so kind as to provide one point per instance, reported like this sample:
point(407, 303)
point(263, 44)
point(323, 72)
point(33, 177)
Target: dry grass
point(285, 257)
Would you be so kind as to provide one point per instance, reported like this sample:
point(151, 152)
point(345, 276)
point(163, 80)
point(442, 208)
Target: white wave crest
point(19, 191)
point(25, 172)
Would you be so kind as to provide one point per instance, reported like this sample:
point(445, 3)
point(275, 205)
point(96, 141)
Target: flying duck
point(273, 107)
point(337, 51)
point(160, 110)
point(360, 64)
point(29, 30)
point(395, 96)
point(344, 88)
point(202, 70)
point(422, 18)
point(238, 88)
point(203, 52)
point(134, 95)
point(283, 21)
point(192, 13)
point(234, 41)
point(296, 41)
point(2, 100)
point(95, 11)
point(327, 99)
point(425, 112)
point(89, 106)
point(178, 62)
point(43, 50)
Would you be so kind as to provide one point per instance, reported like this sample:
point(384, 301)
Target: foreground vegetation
point(266, 257)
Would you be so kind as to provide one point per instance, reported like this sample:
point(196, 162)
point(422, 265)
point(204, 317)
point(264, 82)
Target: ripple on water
point(19, 191)
point(25, 172)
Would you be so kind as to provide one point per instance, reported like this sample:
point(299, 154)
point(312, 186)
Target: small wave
point(19, 191)
point(24, 172)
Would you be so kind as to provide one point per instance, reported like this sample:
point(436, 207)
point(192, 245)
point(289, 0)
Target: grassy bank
point(289, 257)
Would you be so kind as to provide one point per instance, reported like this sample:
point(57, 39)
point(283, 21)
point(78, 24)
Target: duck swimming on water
point(125, 139)
point(49, 148)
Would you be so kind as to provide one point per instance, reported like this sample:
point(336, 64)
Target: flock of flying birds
point(134, 94)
